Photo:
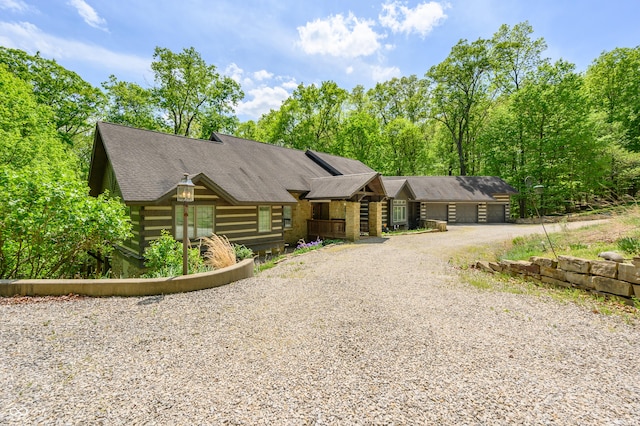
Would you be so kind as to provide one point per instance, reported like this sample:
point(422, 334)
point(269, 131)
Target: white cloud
point(263, 100)
point(89, 14)
point(290, 84)
point(262, 75)
point(14, 5)
point(260, 96)
point(234, 72)
point(380, 74)
point(421, 20)
point(28, 37)
point(348, 37)
point(349, 70)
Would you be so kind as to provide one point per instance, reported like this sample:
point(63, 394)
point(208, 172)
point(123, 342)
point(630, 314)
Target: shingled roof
point(340, 187)
point(148, 165)
point(452, 188)
point(394, 186)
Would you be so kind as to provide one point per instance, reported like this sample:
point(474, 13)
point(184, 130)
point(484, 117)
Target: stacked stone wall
point(599, 276)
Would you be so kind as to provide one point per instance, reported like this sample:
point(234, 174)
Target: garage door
point(496, 213)
point(436, 211)
point(466, 213)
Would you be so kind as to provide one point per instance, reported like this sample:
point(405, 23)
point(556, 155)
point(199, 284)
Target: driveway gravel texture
point(381, 332)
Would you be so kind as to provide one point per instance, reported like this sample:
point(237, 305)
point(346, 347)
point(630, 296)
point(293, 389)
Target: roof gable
point(345, 186)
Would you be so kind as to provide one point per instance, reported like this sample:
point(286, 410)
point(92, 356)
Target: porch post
point(352, 221)
point(375, 219)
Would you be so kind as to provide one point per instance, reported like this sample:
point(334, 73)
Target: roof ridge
point(158, 132)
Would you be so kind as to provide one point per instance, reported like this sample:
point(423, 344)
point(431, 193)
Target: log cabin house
point(260, 195)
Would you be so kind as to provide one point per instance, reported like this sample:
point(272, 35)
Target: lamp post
point(185, 195)
point(539, 190)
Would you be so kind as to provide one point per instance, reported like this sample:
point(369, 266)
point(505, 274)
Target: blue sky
point(271, 46)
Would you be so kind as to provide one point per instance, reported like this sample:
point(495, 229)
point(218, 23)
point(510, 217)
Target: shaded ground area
point(379, 332)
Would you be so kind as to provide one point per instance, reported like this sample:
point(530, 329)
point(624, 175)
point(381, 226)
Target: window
point(200, 215)
point(399, 211)
point(264, 218)
point(286, 217)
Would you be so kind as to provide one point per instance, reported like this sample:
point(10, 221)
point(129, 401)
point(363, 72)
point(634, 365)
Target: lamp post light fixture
point(185, 194)
point(539, 190)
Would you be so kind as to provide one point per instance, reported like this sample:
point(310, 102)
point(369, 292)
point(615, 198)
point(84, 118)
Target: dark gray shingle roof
point(339, 187)
point(453, 188)
point(394, 186)
point(148, 165)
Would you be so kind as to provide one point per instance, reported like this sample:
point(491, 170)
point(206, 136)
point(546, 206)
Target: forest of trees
point(493, 107)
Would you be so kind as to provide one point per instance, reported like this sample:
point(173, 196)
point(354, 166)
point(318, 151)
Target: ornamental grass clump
point(220, 252)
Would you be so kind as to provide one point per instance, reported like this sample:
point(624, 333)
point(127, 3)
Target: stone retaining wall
point(600, 276)
point(128, 286)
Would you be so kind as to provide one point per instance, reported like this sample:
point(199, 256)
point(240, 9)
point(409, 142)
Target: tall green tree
point(515, 56)
point(191, 92)
point(132, 105)
point(48, 221)
point(561, 152)
point(461, 94)
point(309, 119)
point(405, 97)
point(75, 104)
point(613, 84)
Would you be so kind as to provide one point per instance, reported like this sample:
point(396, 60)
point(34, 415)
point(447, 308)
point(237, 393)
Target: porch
point(326, 229)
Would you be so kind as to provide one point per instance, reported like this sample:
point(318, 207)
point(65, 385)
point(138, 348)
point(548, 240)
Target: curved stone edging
point(129, 286)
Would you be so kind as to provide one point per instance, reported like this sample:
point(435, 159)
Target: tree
point(403, 148)
point(75, 104)
point(515, 55)
point(461, 92)
point(613, 84)
point(132, 105)
point(561, 151)
point(49, 222)
point(309, 119)
point(190, 91)
point(405, 97)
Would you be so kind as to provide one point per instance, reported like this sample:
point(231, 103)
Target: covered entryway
point(341, 206)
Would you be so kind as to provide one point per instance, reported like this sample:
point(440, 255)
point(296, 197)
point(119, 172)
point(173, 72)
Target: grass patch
point(621, 234)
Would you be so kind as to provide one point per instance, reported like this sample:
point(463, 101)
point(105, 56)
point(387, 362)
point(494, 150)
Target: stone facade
point(300, 213)
point(375, 219)
point(352, 221)
point(337, 210)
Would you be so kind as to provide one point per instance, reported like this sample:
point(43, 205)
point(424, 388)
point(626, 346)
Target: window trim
point(399, 206)
point(287, 218)
point(270, 221)
point(193, 218)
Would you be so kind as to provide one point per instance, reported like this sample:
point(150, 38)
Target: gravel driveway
point(380, 332)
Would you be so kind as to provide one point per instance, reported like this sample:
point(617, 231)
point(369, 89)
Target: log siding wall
point(238, 223)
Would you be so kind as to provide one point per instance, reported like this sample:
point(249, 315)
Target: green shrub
point(629, 245)
point(163, 258)
point(242, 252)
